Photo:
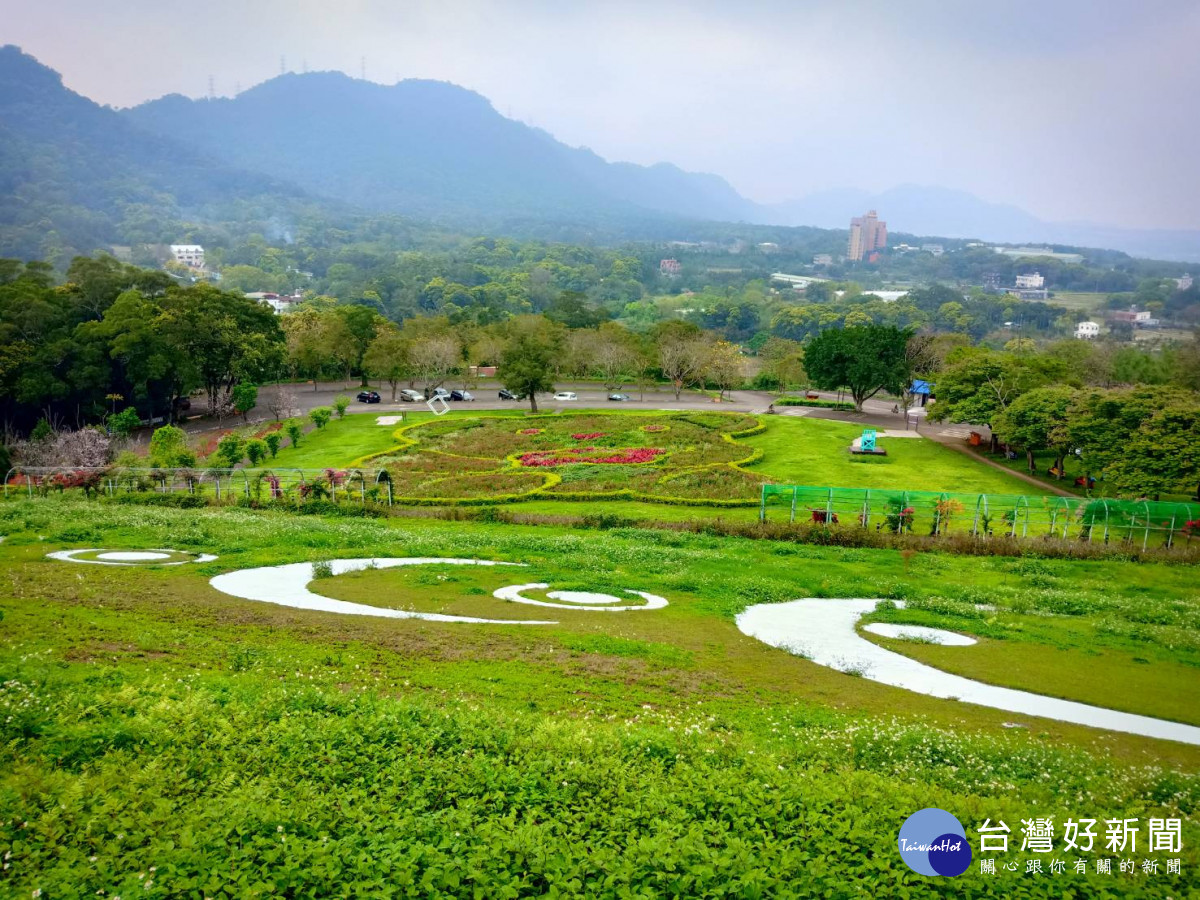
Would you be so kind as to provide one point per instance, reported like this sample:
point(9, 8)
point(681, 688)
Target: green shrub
point(340, 404)
point(818, 404)
point(272, 440)
point(256, 450)
point(320, 416)
point(294, 430)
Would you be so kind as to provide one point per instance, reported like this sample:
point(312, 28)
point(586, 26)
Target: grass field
point(160, 738)
point(1085, 301)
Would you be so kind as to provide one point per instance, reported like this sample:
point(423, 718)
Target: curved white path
point(577, 599)
point(288, 586)
point(920, 633)
point(824, 632)
point(157, 557)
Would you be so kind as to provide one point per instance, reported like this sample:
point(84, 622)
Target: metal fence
point(984, 515)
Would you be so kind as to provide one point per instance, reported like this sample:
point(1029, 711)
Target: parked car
point(619, 398)
point(461, 395)
point(410, 396)
point(369, 397)
point(506, 394)
point(182, 404)
point(440, 392)
point(565, 395)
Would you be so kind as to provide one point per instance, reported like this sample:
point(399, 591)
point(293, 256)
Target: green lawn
point(1084, 301)
point(808, 451)
point(159, 738)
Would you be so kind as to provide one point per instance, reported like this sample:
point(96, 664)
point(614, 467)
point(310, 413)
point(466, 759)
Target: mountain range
point(77, 175)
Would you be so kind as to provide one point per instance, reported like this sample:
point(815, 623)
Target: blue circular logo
point(933, 842)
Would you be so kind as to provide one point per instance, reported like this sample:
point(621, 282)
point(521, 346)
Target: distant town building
point(823, 259)
point(1087, 331)
point(1134, 316)
point(190, 255)
point(991, 281)
point(1183, 283)
point(768, 247)
point(799, 282)
point(669, 267)
point(885, 296)
point(867, 235)
point(281, 303)
point(935, 249)
point(1031, 282)
point(905, 248)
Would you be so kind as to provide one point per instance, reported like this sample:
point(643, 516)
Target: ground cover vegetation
point(164, 739)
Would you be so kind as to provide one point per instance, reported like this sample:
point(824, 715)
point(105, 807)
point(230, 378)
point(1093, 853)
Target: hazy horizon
point(1023, 104)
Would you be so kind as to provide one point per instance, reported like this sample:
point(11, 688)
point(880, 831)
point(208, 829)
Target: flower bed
point(654, 429)
point(593, 455)
point(588, 436)
point(530, 431)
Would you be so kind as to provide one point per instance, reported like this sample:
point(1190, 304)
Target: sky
point(1075, 110)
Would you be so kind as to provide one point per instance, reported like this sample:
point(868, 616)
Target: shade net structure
point(1143, 522)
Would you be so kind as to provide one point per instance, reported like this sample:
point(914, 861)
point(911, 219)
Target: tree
point(245, 398)
point(169, 449)
point(294, 430)
point(320, 416)
point(273, 439)
point(976, 385)
point(362, 324)
point(341, 403)
point(615, 355)
point(866, 360)
point(281, 402)
point(124, 423)
point(783, 364)
point(526, 366)
point(434, 359)
point(1163, 455)
point(387, 357)
point(1029, 423)
point(256, 450)
point(231, 449)
point(724, 366)
point(682, 356)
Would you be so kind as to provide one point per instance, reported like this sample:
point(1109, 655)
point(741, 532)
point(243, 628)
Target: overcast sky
point(1072, 109)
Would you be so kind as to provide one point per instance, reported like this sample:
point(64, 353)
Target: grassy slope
point(805, 451)
point(242, 748)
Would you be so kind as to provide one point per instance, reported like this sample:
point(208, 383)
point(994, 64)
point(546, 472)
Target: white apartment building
point(1032, 282)
point(191, 255)
point(1087, 331)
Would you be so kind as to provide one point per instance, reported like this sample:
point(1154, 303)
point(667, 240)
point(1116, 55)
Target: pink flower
point(588, 436)
point(530, 431)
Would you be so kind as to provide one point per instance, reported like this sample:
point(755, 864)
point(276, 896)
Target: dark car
point(461, 395)
point(506, 394)
point(369, 397)
point(618, 398)
point(182, 404)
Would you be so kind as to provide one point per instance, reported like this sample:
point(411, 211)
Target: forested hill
point(75, 176)
point(425, 148)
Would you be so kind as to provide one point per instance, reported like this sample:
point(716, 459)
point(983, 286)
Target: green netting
point(931, 512)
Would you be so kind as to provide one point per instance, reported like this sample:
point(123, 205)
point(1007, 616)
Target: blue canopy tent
point(921, 390)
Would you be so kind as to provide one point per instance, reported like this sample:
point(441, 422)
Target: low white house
point(1087, 331)
point(191, 255)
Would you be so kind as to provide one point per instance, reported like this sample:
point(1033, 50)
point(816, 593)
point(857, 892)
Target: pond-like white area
point(824, 632)
point(920, 633)
point(578, 599)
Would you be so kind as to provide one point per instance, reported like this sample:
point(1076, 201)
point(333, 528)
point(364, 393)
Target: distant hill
point(423, 148)
point(75, 176)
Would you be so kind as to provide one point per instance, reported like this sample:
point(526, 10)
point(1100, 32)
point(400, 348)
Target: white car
point(410, 396)
point(565, 395)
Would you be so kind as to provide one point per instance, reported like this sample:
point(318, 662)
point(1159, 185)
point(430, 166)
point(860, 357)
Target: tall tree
point(865, 360)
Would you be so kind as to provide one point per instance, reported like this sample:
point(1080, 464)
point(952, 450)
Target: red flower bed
point(589, 435)
point(530, 431)
point(654, 428)
point(628, 456)
point(210, 445)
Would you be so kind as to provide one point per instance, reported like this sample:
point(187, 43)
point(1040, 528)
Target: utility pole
point(211, 90)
